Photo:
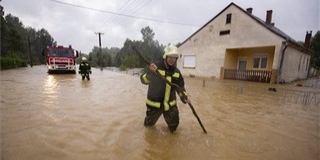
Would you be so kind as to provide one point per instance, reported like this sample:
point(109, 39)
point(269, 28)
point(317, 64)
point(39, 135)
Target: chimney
point(307, 39)
point(249, 10)
point(269, 17)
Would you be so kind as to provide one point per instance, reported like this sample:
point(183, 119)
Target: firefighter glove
point(184, 99)
point(183, 96)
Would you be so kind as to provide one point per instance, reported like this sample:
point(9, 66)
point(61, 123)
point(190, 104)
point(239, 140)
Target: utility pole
point(29, 50)
point(100, 56)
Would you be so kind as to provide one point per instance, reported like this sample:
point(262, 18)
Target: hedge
point(9, 63)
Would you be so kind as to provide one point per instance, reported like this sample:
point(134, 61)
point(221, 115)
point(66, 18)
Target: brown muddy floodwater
point(60, 117)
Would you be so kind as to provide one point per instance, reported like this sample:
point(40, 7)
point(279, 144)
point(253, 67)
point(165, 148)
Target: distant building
point(235, 44)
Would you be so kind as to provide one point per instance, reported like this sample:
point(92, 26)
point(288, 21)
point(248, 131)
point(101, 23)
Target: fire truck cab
point(60, 59)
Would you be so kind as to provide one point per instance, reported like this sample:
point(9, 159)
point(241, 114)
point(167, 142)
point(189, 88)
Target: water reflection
point(51, 89)
point(50, 85)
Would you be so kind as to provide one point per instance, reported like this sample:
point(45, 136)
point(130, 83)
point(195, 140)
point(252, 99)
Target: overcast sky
point(76, 22)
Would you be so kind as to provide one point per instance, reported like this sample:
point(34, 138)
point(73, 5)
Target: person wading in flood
point(161, 97)
point(85, 69)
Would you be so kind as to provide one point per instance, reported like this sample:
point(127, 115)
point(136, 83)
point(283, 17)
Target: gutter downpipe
point(281, 61)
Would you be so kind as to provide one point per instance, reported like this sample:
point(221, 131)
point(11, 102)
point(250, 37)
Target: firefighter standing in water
point(85, 69)
point(161, 97)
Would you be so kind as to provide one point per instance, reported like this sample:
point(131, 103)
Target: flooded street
point(61, 117)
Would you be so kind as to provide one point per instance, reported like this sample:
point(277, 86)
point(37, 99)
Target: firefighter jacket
point(159, 93)
point(84, 68)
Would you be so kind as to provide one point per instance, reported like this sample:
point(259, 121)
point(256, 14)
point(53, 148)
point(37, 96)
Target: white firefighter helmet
point(171, 50)
point(84, 59)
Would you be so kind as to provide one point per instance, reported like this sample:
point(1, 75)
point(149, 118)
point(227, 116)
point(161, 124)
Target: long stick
point(179, 89)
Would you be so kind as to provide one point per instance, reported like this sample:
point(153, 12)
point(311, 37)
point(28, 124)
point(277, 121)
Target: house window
point(299, 63)
point(307, 64)
point(189, 61)
point(260, 62)
point(304, 61)
point(224, 32)
point(228, 19)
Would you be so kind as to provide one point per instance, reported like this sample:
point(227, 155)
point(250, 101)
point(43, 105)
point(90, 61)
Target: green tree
point(150, 48)
point(31, 36)
point(20, 42)
point(4, 29)
point(126, 51)
point(127, 58)
point(147, 35)
point(315, 47)
point(112, 53)
point(108, 56)
point(14, 36)
point(43, 39)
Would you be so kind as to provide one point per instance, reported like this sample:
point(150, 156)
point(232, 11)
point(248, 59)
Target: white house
point(235, 44)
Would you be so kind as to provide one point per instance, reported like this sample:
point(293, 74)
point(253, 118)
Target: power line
point(124, 15)
point(125, 9)
point(114, 15)
point(131, 12)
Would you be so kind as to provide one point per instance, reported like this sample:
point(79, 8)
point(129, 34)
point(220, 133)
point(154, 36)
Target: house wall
point(210, 48)
point(231, 59)
point(232, 56)
point(295, 65)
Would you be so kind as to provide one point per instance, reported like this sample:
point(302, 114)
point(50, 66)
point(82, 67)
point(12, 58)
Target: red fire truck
point(60, 59)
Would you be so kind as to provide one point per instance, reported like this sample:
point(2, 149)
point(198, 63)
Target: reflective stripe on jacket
point(159, 92)
point(84, 68)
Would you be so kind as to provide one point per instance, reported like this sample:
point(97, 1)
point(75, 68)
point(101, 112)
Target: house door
point(242, 66)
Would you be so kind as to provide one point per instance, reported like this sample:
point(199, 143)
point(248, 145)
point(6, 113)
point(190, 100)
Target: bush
point(122, 68)
point(12, 60)
point(9, 63)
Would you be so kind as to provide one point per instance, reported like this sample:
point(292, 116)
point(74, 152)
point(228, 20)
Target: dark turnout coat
point(84, 68)
point(160, 93)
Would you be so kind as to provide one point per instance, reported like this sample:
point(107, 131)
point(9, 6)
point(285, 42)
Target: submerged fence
point(302, 97)
point(136, 71)
point(248, 75)
point(308, 94)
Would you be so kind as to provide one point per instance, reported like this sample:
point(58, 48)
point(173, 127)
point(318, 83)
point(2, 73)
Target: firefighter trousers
point(85, 76)
point(171, 117)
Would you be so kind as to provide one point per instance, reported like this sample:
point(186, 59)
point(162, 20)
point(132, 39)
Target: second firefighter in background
point(161, 97)
point(85, 69)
